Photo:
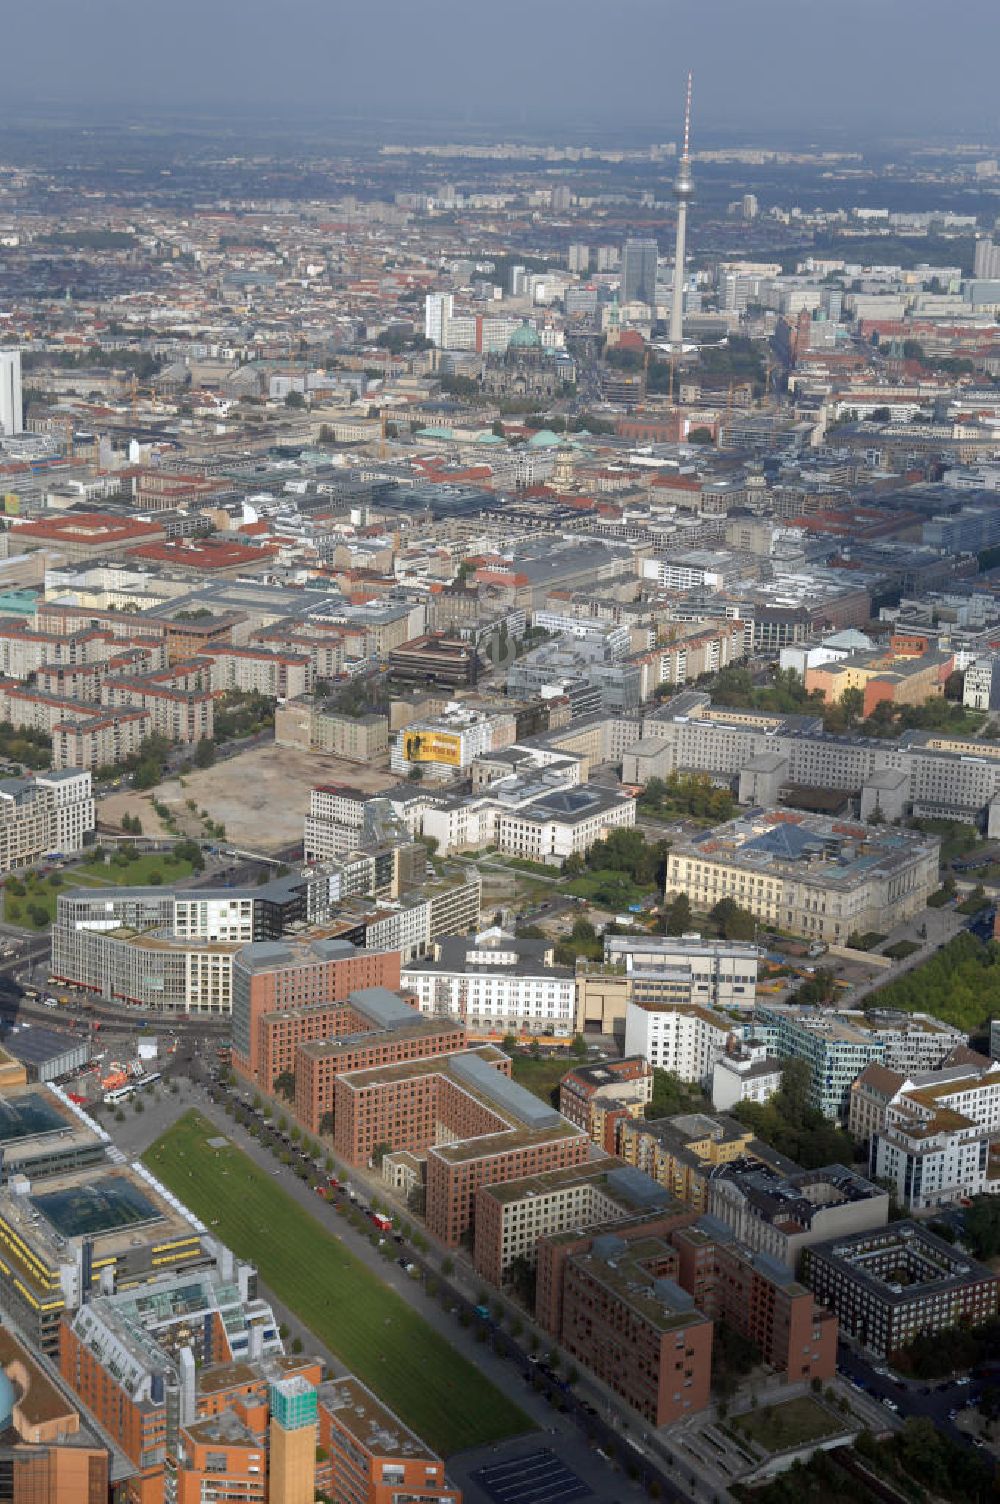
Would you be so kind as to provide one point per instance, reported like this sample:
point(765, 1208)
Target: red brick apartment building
point(371, 1456)
point(597, 1097)
point(319, 1063)
point(463, 1116)
point(635, 1302)
point(287, 992)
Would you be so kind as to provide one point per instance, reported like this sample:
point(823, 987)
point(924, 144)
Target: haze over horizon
point(881, 67)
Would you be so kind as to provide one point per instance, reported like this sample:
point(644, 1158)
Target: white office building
point(685, 1040)
point(11, 405)
point(718, 973)
point(438, 310)
point(51, 812)
point(496, 985)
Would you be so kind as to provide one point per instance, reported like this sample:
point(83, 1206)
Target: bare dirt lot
point(261, 796)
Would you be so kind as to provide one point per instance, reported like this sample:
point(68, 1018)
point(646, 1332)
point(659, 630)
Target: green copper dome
point(525, 338)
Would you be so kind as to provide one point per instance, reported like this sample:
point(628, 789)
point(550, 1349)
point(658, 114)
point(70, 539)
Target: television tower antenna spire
point(683, 193)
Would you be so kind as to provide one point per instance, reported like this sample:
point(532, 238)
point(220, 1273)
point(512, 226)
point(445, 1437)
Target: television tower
point(683, 192)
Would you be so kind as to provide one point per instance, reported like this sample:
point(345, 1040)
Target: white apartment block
point(981, 687)
point(545, 1205)
point(151, 971)
point(685, 1040)
point(751, 1076)
point(280, 675)
point(50, 812)
point(497, 985)
point(938, 1142)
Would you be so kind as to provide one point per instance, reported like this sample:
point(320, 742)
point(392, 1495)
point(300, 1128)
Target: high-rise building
point(749, 206)
point(639, 259)
point(578, 259)
point(11, 406)
point(294, 1432)
point(438, 309)
point(987, 259)
point(683, 193)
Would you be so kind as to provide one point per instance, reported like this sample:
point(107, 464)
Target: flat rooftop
point(902, 1261)
point(373, 1425)
point(35, 1122)
point(116, 1206)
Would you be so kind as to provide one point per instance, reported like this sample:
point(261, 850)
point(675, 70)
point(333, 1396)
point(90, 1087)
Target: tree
point(284, 1085)
point(578, 1047)
point(521, 1277)
point(295, 400)
point(982, 1227)
point(796, 1081)
point(147, 775)
point(326, 1125)
point(671, 1095)
point(204, 753)
point(677, 916)
point(734, 923)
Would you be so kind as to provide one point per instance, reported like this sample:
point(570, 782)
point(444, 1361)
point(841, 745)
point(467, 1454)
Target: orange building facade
point(291, 979)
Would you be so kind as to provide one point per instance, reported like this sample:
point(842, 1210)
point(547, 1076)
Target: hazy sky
point(910, 67)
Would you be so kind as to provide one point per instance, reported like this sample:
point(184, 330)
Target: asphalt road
point(912, 1397)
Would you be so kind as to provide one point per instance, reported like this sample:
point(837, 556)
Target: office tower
point(438, 309)
point(579, 258)
point(750, 206)
point(518, 281)
point(683, 193)
point(986, 264)
point(11, 410)
point(639, 260)
point(294, 1432)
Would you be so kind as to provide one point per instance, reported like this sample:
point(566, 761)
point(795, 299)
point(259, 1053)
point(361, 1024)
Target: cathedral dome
point(525, 338)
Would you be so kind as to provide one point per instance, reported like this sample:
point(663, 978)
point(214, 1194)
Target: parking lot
point(539, 1478)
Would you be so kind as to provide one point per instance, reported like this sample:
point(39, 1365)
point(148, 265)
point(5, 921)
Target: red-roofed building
point(82, 537)
point(212, 556)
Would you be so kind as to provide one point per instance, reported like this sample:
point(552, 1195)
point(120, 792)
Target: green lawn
point(134, 874)
point(447, 1401)
point(901, 949)
point(36, 907)
point(796, 1422)
point(610, 889)
point(542, 1077)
